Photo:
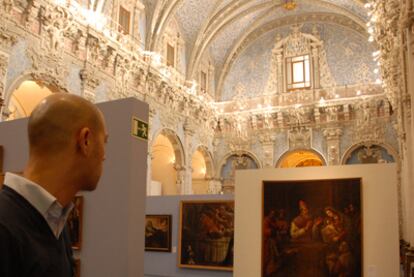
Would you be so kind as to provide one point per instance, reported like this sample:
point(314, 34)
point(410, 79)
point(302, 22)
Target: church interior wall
point(319, 142)
point(18, 63)
point(106, 66)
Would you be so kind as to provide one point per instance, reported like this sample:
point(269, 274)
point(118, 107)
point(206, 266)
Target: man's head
point(70, 128)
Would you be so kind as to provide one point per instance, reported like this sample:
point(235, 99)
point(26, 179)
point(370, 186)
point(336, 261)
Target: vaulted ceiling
point(224, 28)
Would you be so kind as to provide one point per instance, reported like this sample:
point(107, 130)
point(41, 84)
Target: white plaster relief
point(339, 42)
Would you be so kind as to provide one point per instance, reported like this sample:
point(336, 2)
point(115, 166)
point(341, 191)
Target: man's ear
point(84, 140)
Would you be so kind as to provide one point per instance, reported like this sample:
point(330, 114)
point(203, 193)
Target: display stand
point(379, 212)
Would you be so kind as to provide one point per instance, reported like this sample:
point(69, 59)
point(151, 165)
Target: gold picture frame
point(75, 223)
point(206, 235)
point(158, 233)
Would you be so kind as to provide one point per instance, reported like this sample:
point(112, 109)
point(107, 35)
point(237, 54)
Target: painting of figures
point(206, 235)
point(158, 233)
point(312, 228)
point(75, 223)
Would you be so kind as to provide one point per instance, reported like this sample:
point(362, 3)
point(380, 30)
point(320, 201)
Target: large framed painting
point(312, 228)
point(206, 235)
point(75, 219)
point(158, 233)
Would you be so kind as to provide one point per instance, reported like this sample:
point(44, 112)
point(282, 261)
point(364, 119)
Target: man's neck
point(49, 178)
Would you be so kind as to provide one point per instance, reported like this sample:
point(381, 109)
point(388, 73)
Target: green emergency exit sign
point(139, 128)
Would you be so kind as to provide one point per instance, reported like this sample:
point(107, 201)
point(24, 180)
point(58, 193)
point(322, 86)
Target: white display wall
point(379, 211)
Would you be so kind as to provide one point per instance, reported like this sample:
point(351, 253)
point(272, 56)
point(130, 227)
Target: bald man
point(67, 137)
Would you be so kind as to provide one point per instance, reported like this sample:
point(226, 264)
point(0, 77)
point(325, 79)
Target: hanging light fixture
point(290, 5)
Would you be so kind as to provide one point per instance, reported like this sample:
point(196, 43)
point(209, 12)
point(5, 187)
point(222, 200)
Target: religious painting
point(206, 235)
point(312, 228)
point(77, 268)
point(158, 233)
point(75, 222)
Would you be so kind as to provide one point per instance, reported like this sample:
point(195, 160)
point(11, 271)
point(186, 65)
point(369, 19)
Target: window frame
point(289, 63)
point(167, 60)
point(124, 14)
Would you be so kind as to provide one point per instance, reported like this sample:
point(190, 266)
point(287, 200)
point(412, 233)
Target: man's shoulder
point(10, 208)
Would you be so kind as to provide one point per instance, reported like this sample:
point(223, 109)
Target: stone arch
point(374, 152)
point(202, 171)
point(312, 155)
point(208, 158)
point(42, 80)
point(232, 161)
point(167, 164)
point(175, 141)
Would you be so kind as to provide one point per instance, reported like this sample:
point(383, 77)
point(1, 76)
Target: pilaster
point(333, 138)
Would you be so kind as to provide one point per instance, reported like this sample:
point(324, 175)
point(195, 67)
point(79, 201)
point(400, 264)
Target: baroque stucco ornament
point(297, 44)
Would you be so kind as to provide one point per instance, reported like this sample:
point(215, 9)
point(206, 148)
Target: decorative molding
point(89, 82)
point(333, 136)
point(300, 138)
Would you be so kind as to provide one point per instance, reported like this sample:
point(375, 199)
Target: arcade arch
point(202, 170)
point(24, 99)
point(300, 158)
point(167, 164)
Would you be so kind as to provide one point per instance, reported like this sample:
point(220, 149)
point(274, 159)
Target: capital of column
point(332, 133)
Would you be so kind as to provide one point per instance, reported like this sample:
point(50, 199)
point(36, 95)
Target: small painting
point(75, 222)
point(158, 233)
point(312, 228)
point(206, 235)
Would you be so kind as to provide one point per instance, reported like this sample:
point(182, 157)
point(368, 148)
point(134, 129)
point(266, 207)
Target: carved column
point(182, 183)
point(267, 141)
point(149, 172)
point(4, 61)
point(333, 136)
point(408, 194)
point(152, 113)
point(180, 45)
point(214, 186)
point(138, 11)
point(31, 12)
point(315, 61)
point(189, 131)
point(280, 80)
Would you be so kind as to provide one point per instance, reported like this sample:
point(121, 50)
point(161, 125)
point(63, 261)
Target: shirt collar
point(40, 198)
point(48, 206)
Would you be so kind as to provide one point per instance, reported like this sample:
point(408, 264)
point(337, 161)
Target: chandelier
point(289, 5)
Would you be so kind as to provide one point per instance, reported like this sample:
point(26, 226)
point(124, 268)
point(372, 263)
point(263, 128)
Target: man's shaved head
point(57, 119)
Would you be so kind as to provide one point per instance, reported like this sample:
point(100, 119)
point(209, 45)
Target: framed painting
point(206, 236)
point(158, 233)
point(1, 167)
point(75, 223)
point(312, 228)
